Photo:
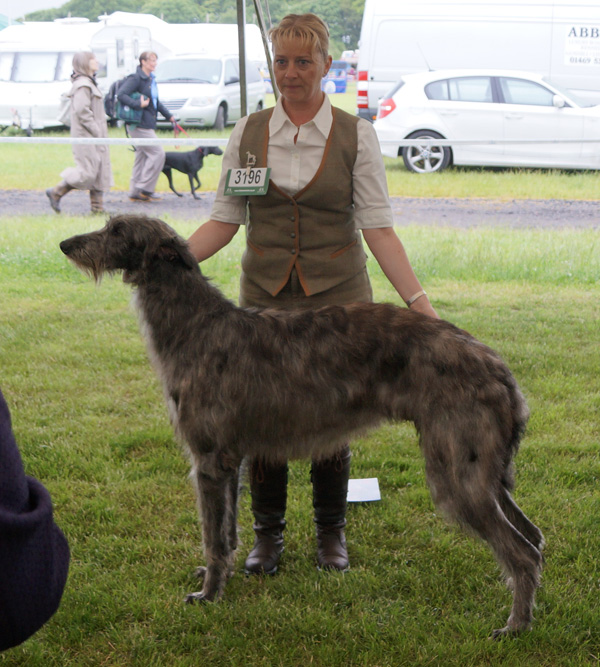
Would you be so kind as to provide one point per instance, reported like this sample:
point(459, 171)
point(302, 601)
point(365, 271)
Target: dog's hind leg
point(465, 490)
point(518, 519)
point(520, 560)
point(217, 499)
point(193, 187)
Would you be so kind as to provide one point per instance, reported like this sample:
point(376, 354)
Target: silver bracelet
point(414, 297)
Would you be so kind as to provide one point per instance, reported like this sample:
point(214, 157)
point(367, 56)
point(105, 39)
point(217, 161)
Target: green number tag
point(248, 181)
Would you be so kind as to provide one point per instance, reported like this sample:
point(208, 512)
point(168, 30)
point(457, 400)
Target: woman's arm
point(210, 237)
point(393, 260)
point(82, 108)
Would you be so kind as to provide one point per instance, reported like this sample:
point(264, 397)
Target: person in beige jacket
point(92, 170)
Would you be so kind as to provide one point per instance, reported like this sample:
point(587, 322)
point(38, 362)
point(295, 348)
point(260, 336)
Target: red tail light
point(385, 107)
point(362, 96)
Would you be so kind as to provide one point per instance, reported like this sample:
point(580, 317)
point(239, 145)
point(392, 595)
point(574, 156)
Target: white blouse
point(293, 164)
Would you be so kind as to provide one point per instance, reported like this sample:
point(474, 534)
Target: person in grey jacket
point(92, 170)
point(34, 554)
point(149, 160)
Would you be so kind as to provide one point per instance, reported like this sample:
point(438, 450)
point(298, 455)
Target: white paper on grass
point(363, 490)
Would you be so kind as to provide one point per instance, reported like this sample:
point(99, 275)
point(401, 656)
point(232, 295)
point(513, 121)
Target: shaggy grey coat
point(245, 382)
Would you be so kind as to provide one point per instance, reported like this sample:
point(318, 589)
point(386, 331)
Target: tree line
point(343, 17)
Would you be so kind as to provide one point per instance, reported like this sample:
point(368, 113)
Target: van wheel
point(221, 118)
point(426, 159)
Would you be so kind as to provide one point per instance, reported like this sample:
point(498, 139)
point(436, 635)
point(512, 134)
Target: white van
point(204, 91)
point(558, 39)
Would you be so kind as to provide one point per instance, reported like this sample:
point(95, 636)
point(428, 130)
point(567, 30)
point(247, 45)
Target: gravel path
point(461, 213)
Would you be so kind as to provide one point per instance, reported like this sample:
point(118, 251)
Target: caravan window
point(42, 67)
point(35, 67)
point(6, 63)
point(65, 66)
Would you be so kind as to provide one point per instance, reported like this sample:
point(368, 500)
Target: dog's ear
point(176, 249)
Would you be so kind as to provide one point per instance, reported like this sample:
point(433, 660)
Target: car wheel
point(426, 159)
point(221, 118)
point(259, 106)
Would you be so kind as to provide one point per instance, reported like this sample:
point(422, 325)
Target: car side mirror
point(233, 79)
point(558, 102)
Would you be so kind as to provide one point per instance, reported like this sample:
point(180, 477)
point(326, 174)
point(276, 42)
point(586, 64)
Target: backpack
point(117, 111)
point(64, 110)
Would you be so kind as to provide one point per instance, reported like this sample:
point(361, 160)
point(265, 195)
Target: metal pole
point(263, 34)
point(241, 21)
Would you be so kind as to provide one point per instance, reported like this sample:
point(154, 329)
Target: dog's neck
point(178, 303)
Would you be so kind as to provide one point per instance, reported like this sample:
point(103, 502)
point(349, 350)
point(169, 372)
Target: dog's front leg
point(168, 173)
point(218, 512)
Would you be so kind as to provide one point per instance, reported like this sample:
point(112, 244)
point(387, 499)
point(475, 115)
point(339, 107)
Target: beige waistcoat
point(312, 231)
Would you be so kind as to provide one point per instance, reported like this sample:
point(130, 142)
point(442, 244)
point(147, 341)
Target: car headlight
point(201, 101)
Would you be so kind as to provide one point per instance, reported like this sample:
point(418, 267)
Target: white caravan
point(36, 64)
point(36, 57)
point(558, 39)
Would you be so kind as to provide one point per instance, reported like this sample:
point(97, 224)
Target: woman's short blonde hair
point(81, 63)
point(308, 29)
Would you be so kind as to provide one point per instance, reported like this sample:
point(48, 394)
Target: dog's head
point(210, 150)
point(136, 245)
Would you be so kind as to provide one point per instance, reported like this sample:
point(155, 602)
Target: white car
point(203, 91)
point(490, 107)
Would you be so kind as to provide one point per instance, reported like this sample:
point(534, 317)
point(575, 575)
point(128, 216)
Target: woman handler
point(92, 170)
point(304, 247)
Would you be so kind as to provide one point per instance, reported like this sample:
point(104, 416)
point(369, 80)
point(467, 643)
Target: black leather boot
point(268, 485)
point(330, 490)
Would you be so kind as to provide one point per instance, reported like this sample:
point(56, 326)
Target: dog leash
point(177, 129)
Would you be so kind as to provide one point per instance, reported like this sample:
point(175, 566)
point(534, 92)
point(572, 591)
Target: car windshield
point(196, 70)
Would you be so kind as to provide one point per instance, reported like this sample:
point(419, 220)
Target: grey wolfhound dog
point(280, 384)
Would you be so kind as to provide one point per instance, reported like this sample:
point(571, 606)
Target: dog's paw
point(196, 598)
point(200, 572)
point(508, 632)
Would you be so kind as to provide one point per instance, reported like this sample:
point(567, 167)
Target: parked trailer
point(559, 40)
point(36, 62)
point(36, 57)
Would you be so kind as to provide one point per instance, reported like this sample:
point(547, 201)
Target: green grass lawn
point(19, 161)
point(89, 417)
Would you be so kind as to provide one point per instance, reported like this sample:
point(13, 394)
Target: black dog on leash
point(188, 163)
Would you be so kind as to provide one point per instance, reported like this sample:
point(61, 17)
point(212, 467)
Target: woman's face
point(298, 72)
point(93, 65)
point(149, 65)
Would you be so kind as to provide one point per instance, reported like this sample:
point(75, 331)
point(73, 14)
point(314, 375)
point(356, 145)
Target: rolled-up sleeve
point(371, 199)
